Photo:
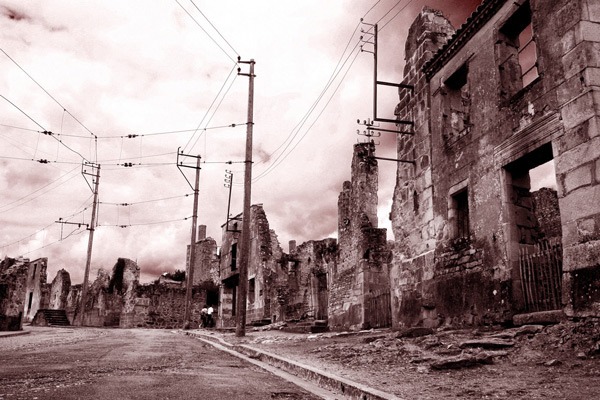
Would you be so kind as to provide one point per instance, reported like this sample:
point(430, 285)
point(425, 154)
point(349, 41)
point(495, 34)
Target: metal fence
point(541, 275)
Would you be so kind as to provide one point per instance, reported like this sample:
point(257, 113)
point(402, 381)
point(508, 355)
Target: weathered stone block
point(578, 177)
point(580, 204)
point(579, 110)
point(593, 10)
point(539, 318)
point(584, 153)
point(581, 256)
point(583, 55)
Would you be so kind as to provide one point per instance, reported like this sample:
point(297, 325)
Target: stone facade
point(489, 105)
point(264, 265)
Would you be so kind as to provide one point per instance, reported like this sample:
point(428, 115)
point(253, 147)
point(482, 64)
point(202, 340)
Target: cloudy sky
point(131, 82)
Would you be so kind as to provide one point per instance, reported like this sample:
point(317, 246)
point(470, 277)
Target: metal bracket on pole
point(229, 184)
point(377, 82)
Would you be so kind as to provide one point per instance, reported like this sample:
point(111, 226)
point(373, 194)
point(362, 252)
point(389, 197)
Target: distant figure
point(209, 318)
point(204, 317)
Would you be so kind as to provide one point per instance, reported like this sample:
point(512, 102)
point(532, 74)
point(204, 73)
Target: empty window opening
point(457, 104)
point(30, 302)
point(518, 52)
point(251, 290)
point(234, 256)
point(460, 202)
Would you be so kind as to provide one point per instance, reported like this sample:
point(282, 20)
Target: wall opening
point(535, 246)
point(234, 256)
point(517, 52)
point(251, 290)
point(457, 105)
point(458, 214)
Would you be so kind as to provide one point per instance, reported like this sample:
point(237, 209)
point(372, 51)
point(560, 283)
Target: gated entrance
point(541, 275)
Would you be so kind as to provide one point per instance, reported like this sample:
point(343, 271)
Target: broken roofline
point(463, 34)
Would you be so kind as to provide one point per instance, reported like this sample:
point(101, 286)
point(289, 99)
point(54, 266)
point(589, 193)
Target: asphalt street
point(94, 363)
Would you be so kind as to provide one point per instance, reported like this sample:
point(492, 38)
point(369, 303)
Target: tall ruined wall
point(36, 281)
point(415, 229)
point(264, 265)
point(111, 295)
point(361, 270)
point(59, 290)
point(13, 288)
point(206, 259)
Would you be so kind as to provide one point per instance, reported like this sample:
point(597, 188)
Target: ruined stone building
point(516, 86)
point(23, 291)
point(264, 265)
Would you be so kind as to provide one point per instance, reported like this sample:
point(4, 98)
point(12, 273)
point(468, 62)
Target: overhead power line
point(215, 28)
point(208, 34)
point(146, 201)
point(44, 130)
point(52, 97)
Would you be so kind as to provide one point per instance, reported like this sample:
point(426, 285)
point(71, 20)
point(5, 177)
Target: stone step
point(51, 318)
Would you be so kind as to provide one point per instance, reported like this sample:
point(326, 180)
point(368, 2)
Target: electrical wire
point(215, 28)
point(275, 163)
point(52, 97)
point(146, 201)
point(26, 237)
point(205, 31)
point(145, 223)
point(395, 15)
point(213, 114)
point(209, 108)
point(43, 187)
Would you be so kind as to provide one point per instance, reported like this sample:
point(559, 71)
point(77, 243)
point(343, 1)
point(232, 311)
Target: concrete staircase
point(47, 317)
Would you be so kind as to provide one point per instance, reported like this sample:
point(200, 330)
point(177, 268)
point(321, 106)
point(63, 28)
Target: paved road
point(90, 363)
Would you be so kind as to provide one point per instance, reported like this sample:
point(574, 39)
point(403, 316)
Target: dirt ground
point(532, 362)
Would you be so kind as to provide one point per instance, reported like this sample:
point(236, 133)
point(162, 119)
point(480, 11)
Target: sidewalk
point(311, 371)
point(532, 361)
point(25, 331)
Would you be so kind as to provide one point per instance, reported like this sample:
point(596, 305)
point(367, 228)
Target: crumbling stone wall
point(36, 280)
point(547, 212)
point(305, 280)
point(161, 306)
point(109, 296)
point(361, 269)
point(264, 265)
point(59, 290)
point(207, 260)
point(13, 288)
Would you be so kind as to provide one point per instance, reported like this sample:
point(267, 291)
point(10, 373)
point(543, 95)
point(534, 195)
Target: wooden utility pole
point(240, 328)
point(189, 274)
point(92, 228)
